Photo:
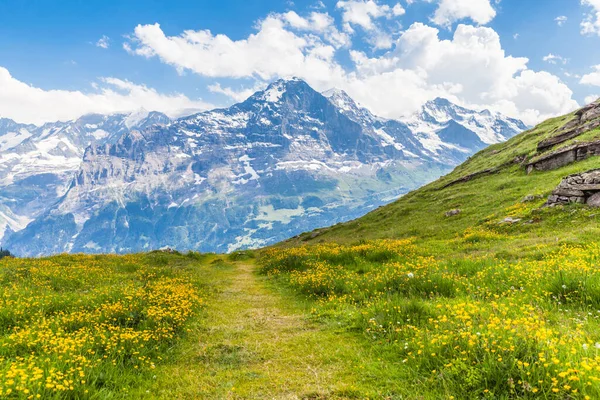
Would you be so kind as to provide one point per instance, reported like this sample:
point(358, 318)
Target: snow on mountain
point(37, 164)
point(136, 117)
point(437, 114)
point(286, 160)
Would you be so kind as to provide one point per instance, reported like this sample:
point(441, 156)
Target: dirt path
point(253, 344)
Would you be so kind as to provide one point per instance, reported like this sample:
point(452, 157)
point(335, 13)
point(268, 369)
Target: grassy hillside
point(501, 300)
point(485, 201)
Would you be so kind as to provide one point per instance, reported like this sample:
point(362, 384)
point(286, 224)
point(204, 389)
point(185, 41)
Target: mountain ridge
point(285, 160)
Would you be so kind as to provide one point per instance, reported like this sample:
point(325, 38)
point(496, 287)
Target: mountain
point(450, 131)
point(37, 164)
point(286, 160)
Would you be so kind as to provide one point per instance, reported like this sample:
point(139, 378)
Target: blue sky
point(386, 54)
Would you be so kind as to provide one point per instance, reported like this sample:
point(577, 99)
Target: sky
point(529, 59)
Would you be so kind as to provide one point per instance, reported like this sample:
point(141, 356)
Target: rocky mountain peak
point(286, 160)
point(441, 109)
point(275, 91)
point(341, 99)
point(7, 125)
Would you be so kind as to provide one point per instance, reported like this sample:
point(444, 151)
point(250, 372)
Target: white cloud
point(516, 36)
point(555, 59)
point(471, 69)
point(398, 10)
point(561, 20)
point(319, 5)
point(238, 95)
point(381, 40)
point(593, 78)
point(103, 42)
point(591, 19)
point(450, 11)
point(316, 22)
point(364, 12)
point(591, 98)
point(28, 104)
point(271, 52)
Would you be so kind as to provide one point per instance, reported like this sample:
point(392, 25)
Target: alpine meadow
point(316, 200)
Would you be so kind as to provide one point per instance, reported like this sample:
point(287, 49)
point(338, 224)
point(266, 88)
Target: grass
point(257, 341)
point(472, 305)
point(470, 327)
point(90, 326)
point(174, 326)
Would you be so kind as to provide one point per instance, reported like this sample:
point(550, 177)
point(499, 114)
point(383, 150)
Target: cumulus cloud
point(398, 10)
point(272, 52)
point(593, 78)
point(471, 69)
point(555, 59)
point(591, 98)
point(450, 11)
point(363, 13)
point(28, 104)
point(317, 22)
point(103, 42)
point(591, 19)
point(561, 20)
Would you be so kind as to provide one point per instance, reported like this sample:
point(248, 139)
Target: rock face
point(593, 200)
point(578, 188)
point(285, 161)
point(37, 163)
point(586, 119)
point(562, 157)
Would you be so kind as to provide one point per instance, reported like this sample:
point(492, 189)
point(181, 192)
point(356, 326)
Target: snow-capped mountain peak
point(436, 114)
point(136, 117)
point(349, 107)
point(276, 90)
point(340, 98)
point(287, 159)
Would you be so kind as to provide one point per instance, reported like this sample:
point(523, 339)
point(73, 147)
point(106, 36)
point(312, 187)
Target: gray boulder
point(594, 200)
point(452, 213)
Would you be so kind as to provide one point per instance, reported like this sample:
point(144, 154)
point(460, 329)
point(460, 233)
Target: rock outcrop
point(452, 213)
point(562, 157)
point(578, 188)
point(586, 119)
